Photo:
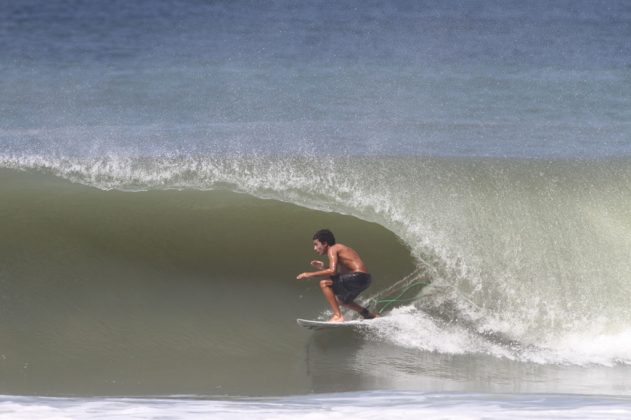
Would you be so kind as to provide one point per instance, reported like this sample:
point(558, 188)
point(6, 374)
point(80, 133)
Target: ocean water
point(163, 165)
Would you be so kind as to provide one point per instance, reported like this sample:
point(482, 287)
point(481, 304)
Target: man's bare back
point(348, 259)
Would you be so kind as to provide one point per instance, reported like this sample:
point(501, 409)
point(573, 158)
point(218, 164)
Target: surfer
point(342, 285)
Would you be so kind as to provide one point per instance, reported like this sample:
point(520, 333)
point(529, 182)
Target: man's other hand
point(317, 264)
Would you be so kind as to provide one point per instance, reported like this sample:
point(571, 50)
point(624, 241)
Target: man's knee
point(325, 283)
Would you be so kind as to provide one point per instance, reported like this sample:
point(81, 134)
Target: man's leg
point(361, 310)
point(327, 290)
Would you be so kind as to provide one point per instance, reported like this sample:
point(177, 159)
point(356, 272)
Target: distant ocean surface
point(163, 165)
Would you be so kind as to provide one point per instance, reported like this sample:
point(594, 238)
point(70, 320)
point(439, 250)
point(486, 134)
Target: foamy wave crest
point(364, 405)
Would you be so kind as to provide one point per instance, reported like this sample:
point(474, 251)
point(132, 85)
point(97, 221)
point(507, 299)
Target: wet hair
point(325, 236)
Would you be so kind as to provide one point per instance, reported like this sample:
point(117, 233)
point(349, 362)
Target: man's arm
point(332, 269)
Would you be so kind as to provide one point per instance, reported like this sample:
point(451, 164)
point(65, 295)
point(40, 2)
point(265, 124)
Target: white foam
point(411, 328)
point(359, 405)
point(592, 347)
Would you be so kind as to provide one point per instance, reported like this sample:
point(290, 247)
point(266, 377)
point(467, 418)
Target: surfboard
point(324, 325)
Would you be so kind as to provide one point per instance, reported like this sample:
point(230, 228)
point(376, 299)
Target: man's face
point(319, 247)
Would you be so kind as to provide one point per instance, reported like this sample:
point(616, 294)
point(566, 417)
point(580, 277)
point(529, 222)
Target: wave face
point(526, 260)
point(162, 291)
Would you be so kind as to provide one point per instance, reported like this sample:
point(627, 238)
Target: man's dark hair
point(325, 236)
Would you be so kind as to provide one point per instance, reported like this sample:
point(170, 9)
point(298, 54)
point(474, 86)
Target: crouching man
point(346, 275)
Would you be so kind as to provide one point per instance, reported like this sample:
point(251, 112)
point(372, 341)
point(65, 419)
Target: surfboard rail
point(325, 325)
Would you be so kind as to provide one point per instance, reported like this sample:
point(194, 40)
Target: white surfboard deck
point(324, 325)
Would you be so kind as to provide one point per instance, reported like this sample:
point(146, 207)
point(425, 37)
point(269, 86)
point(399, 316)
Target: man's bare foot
point(366, 314)
point(336, 318)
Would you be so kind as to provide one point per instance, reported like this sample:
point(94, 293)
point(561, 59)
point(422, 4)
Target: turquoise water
point(424, 78)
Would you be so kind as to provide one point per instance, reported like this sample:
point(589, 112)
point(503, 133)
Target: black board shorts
point(349, 285)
